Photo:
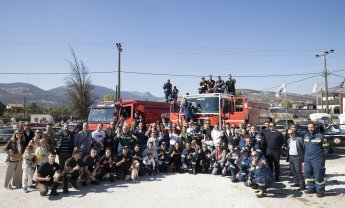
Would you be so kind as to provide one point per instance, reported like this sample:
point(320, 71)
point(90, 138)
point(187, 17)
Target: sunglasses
point(254, 155)
point(290, 133)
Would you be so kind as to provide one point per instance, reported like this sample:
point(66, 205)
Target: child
point(149, 163)
point(41, 153)
point(28, 166)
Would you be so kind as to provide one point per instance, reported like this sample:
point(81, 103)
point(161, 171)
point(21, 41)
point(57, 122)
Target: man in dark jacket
point(275, 141)
point(296, 158)
point(64, 145)
point(167, 87)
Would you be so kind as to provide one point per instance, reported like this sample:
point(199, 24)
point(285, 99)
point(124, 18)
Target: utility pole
point(24, 107)
point(324, 55)
point(119, 49)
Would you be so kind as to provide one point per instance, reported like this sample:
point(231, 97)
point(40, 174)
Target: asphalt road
point(184, 190)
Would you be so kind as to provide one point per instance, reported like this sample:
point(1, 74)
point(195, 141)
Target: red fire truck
point(221, 108)
point(108, 112)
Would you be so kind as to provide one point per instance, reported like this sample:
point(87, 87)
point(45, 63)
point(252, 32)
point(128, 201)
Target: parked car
point(302, 129)
point(6, 134)
point(284, 122)
point(335, 134)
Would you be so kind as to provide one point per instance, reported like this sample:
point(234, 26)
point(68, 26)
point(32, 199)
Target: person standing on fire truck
point(167, 87)
point(230, 85)
point(187, 109)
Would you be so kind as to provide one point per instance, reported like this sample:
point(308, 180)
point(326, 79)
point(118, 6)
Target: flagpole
point(317, 102)
point(285, 110)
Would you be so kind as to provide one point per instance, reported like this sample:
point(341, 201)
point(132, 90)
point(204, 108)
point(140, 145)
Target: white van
point(321, 117)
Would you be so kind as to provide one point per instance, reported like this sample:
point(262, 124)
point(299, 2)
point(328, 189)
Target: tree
point(2, 108)
point(79, 86)
point(34, 108)
point(109, 97)
point(285, 104)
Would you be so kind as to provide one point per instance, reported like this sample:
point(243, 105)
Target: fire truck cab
point(109, 112)
point(222, 109)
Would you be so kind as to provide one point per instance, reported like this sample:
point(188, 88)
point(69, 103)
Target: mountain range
point(17, 92)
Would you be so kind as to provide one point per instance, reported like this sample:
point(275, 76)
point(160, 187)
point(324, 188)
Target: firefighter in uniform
point(314, 161)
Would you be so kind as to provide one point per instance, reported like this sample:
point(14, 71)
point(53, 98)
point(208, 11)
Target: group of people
point(84, 157)
point(205, 86)
point(218, 86)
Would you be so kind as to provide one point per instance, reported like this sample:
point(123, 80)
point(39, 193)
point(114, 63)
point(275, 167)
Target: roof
point(14, 105)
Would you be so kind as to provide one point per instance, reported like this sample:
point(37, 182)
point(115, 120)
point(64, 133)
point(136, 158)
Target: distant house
point(15, 107)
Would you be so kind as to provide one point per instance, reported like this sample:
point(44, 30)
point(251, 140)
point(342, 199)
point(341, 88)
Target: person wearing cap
point(202, 86)
point(167, 87)
point(28, 133)
point(230, 85)
point(73, 171)
point(123, 164)
point(14, 148)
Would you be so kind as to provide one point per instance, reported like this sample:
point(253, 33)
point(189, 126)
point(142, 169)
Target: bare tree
point(79, 87)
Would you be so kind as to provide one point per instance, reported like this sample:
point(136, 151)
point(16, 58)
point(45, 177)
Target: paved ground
point(184, 190)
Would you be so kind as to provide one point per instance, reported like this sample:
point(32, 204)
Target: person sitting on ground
point(149, 164)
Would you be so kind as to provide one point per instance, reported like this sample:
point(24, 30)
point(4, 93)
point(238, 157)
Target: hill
point(15, 93)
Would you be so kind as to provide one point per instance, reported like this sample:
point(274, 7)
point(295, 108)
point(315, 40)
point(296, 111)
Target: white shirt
point(97, 135)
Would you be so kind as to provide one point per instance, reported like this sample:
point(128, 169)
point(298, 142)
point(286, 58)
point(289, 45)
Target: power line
point(157, 74)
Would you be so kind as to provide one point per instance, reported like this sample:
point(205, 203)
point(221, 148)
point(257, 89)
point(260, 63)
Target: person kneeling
point(73, 171)
point(46, 176)
point(91, 167)
point(107, 164)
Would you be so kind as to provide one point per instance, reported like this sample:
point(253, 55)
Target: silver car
point(6, 134)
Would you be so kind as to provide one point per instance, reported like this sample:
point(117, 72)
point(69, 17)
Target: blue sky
point(198, 37)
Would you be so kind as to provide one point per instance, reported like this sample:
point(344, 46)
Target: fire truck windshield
point(205, 105)
point(101, 115)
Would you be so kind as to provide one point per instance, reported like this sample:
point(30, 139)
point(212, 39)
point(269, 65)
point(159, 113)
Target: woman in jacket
point(14, 148)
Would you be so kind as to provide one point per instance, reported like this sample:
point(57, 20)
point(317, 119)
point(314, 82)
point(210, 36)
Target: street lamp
point(324, 55)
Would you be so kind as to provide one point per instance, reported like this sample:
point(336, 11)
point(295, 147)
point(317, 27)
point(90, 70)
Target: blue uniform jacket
point(313, 147)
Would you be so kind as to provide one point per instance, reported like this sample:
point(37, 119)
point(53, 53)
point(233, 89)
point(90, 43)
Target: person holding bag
point(14, 148)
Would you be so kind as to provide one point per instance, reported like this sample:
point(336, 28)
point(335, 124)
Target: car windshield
point(336, 129)
point(205, 104)
point(101, 115)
